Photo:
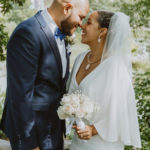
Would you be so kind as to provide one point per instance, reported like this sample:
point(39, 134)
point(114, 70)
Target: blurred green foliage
point(7, 5)
point(19, 13)
point(138, 10)
point(142, 95)
point(2, 97)
point(12, 13)
point(3, 41)
point(142, 90)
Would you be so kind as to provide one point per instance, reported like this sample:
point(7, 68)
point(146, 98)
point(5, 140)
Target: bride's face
point(91, 30)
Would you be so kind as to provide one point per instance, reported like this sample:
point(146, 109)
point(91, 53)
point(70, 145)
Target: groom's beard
point(67, 27)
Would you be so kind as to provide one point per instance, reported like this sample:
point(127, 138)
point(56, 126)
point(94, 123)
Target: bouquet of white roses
point(76, 106)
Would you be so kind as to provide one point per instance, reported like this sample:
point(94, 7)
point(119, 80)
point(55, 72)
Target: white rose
point(65, 100)
point(68, 109)
point(75, 104)
point(62, 115)
point(79, 114)
point(75, 98)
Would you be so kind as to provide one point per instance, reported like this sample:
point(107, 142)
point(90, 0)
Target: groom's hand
point(87, 133)
point(36, 148)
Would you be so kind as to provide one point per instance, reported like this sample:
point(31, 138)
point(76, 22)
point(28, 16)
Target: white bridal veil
point(119, 38)
point(115, 91)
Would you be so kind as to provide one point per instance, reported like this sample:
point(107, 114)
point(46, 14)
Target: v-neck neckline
point(78, 67)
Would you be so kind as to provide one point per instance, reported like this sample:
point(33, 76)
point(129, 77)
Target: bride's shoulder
point(114, 60)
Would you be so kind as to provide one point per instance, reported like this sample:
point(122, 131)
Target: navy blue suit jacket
point(34, 77)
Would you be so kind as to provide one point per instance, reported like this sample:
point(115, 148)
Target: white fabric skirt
point(95, 143)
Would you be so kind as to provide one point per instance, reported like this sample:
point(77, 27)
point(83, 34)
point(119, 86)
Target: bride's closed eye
point(88, 23)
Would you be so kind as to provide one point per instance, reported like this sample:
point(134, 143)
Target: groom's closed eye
point(82, 17)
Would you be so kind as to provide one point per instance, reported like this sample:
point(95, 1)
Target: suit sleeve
point(22, 67)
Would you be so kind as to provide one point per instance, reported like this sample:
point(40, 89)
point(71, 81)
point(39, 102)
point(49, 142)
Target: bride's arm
point(94, 131)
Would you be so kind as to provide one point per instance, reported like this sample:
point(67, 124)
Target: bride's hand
point(87, 133)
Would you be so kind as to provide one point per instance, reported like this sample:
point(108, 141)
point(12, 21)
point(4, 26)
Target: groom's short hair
point(70, 1)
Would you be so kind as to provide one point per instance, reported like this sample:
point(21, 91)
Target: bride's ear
point(103, 31)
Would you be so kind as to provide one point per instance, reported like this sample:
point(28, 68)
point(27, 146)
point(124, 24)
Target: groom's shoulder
point(28, 26)
point(30, 23)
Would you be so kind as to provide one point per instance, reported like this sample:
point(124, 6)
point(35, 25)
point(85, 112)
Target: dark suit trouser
point(40, 136)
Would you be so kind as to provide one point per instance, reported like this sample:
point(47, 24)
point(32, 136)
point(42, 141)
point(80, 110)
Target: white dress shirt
point(61, 44)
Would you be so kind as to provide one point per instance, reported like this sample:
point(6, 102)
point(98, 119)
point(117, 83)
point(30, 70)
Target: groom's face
point(74, 20)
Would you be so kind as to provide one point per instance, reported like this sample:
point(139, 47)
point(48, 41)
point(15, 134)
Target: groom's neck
point(55, 13)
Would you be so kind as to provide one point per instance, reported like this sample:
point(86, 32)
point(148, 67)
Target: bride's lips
point(83, 33)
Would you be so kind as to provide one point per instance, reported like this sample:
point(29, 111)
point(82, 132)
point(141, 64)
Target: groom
point(37, 70)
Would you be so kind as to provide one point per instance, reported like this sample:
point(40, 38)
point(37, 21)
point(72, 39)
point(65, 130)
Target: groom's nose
point(80, 23)
point(82, 26)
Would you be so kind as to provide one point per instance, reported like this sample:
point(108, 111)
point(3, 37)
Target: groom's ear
point(68, 9)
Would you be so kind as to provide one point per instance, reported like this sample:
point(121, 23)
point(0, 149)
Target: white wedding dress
point(109, 85)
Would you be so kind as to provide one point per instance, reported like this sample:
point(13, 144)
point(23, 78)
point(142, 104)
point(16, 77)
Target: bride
point(104, 74)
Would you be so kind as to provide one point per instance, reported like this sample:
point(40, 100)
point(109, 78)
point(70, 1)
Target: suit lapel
point(50, 39)
point(68, 63)
point(67, 57)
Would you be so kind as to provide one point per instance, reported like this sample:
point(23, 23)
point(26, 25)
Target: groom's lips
point(74, 27)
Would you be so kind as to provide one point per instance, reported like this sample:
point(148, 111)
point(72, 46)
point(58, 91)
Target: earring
point(99, 39)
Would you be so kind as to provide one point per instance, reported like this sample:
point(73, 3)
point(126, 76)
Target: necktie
point(59, 34)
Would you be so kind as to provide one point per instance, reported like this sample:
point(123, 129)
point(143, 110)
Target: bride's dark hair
point(104, 18)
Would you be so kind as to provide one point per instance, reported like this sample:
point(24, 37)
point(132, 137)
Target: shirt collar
point(51, 23)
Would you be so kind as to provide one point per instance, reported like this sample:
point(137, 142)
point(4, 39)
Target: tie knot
point(59, 34)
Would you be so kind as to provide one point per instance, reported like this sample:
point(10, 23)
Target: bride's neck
point(97, 49)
